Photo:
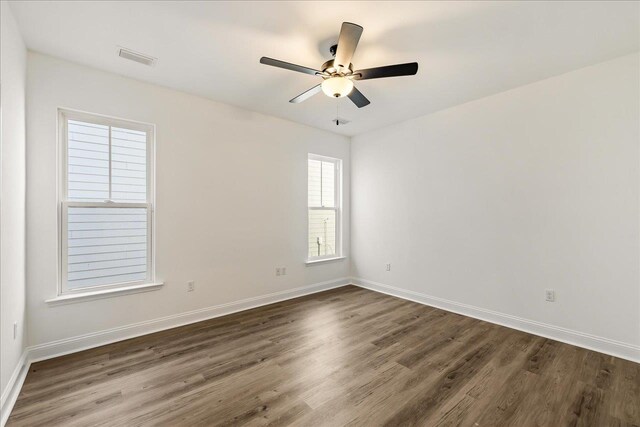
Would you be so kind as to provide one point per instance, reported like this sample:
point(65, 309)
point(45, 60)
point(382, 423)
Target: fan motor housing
point(329, 68)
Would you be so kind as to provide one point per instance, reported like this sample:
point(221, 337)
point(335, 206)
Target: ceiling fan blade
point(358, 98)
point(306, 94)
point(288, 66)
point(408, 69)
point(347, 43)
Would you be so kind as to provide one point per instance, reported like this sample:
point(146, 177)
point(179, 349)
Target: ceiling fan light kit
point(337, 87)
point(338, 74)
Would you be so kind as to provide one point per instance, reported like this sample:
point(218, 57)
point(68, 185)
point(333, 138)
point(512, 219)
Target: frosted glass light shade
point(337, 87)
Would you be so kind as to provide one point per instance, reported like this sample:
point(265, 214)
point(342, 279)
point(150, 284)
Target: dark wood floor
point(343, 357)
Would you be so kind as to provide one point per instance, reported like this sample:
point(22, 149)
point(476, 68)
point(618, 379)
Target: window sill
point(105, 293)
point(320, 261)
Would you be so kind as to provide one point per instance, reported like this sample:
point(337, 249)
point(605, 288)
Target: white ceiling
point(466, 50)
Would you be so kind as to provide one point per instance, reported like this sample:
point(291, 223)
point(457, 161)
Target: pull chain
point(337, 111)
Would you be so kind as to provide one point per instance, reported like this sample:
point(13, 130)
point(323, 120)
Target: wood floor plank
point(347, 356)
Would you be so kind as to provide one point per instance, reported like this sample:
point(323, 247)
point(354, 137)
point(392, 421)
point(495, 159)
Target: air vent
point(137, 57)
point(340, 121)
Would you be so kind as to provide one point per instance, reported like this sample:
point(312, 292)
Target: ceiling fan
point(338, 73)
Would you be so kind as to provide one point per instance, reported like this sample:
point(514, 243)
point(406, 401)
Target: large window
point(324, 183)
point(106, 202)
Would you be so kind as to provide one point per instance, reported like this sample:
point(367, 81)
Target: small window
point(324, 195)
point(106, 202)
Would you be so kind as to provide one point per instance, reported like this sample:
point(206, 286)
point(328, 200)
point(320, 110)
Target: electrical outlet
point(388, 267)
point(549, 295)
point(283, 270)
point(278, 271)
point(15, 330)
point(191, 286)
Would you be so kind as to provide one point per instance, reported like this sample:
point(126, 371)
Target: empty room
point(320, 213)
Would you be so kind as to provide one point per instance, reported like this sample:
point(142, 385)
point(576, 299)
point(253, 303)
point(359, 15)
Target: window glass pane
point(322, 232)
point(106, 246)
point(328, 184)
point(88, 161)
point(314, 183)
point(321, 181)
point(128, 165)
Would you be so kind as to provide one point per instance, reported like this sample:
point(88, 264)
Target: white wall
point(490, 202)
point(484, 204)
point(230, 191)
point(13, 57)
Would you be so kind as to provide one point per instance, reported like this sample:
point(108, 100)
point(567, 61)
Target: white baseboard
point(97, 339)
point(83, 342)
point(12, 390)
point(580, 339)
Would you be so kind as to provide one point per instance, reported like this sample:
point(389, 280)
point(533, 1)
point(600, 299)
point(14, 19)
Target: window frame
point(63, 203)
point(337, 207)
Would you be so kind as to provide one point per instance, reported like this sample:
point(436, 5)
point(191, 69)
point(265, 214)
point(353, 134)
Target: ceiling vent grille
point(137, 57)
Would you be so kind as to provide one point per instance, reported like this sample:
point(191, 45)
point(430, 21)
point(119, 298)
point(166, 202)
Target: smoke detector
point(137, 57)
